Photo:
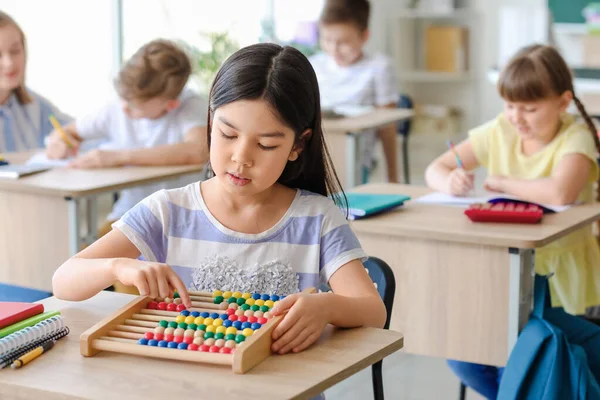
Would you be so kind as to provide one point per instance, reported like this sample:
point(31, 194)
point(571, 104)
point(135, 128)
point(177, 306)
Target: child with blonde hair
point(24, 115)
point(537, 152)
point(155, 121)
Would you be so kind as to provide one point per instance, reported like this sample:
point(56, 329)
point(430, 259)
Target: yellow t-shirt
point(574, 259)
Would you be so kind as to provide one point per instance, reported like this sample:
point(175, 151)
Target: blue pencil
point(451, 147)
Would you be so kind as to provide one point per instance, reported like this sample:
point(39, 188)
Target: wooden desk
point(64, 373)
point(41, 215)
point(345, 133)
point(463, 290)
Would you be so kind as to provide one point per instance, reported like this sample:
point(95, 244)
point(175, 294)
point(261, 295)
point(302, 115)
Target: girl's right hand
point(151, 279)
point(459, 182)
point(57, 149)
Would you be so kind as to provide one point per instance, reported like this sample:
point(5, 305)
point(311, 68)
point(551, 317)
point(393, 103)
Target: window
point(240, 23)
point(69, 59)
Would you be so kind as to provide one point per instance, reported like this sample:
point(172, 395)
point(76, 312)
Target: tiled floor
point(405, 377)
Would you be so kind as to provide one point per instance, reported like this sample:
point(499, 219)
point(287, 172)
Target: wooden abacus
point(123, 331)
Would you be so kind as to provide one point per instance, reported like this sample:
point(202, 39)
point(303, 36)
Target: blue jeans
point(484, 379)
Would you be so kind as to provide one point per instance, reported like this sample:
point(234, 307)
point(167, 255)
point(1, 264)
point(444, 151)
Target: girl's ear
point(565, 100)
point(173, 104)
point(299, 147)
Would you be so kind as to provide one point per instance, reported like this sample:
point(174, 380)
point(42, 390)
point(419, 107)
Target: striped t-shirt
point(310, 242)
point(24, 126)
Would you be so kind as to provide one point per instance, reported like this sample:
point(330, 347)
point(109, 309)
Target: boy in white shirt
point(155, 122)
point(349, 76)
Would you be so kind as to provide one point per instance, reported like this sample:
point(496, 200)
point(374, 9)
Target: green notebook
point(362, 205)
point(27, 322)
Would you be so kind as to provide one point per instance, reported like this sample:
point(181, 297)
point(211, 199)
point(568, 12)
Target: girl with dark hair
point(263, 223)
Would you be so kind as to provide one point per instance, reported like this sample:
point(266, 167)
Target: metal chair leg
point(377, 380)
point(405, 160)
point(463, 392)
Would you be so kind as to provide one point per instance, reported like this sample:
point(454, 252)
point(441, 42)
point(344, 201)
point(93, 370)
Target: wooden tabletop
point(378, 117)
point(64, 373)
point(70, 182)
point(449, 223)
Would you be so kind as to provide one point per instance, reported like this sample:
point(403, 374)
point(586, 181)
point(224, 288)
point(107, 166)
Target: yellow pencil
point(60, 130)
point(32, 355)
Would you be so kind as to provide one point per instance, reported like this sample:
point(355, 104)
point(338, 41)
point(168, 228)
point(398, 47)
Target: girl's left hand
point(494, 183)
point(307, 317)
point(96, 159)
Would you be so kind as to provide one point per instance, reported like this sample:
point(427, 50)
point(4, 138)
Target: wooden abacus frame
point(119, 333)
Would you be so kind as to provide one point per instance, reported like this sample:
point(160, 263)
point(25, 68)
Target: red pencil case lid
point(506, 212)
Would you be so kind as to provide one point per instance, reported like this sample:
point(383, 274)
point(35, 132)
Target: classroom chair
point(403, 129)
point(383, 277)
point(462, 394)
point(22, 294)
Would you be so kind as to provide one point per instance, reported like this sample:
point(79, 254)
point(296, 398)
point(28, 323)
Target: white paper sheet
point(446, 199)
point(42, 160)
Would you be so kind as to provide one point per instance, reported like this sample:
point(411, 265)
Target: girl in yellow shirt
point(538, 152)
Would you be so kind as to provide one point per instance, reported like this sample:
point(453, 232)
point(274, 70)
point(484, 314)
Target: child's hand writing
point(151, 279)
point(304, 322)
point(58, 149)
point(494, 183)
point(459, 182)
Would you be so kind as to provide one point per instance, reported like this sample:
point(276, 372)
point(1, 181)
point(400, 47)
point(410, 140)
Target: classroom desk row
point(464, 290)
point(48, 217)
point(63, 373)
point(345, 133)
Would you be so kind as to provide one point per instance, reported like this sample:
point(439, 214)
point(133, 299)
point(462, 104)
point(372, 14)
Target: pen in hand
point(466, 174)
point(458, 160)
point(61, 131)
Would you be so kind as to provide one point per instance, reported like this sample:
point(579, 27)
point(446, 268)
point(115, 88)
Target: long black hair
point(284, 78)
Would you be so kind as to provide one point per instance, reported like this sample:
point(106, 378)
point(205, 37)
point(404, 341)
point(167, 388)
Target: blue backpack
point(556, 357)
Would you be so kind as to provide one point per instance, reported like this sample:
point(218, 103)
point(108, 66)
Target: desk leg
point(520, 296)
point(74, 225)
point(91, 214)
point(76, 241)
point(352, 160)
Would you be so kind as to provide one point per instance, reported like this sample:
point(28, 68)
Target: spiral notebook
point(16, 344)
